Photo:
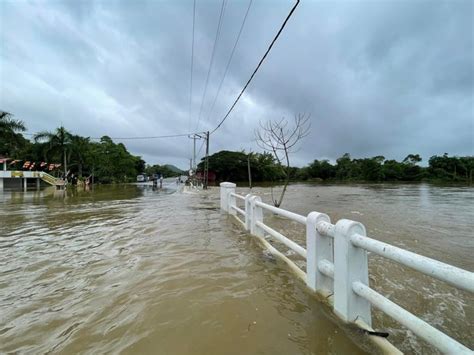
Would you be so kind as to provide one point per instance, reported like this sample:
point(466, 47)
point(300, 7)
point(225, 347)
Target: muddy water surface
point(125, 269)
point(434, 221)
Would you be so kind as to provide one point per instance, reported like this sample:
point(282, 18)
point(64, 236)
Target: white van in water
point(141, 178)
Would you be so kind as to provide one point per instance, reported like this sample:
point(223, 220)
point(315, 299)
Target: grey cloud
point(385, 77)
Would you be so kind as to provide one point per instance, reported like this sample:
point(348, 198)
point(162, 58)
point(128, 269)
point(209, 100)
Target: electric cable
point(258, 66)
point(224, 3)
point(230, 60)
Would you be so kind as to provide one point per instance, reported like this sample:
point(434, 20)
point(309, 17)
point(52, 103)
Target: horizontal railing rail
point(282, 239)
point(337, 265)
point(416, 325)
point(284, 213)
point(237, 196)
point(242, 212)
point(450, 274)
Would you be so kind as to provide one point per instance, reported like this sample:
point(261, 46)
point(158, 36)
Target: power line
point(224, 2)
point(191, 71)
point(230, 59)
point(202, 145)
point(138, 137)
point(258, 66)
point(147, 137)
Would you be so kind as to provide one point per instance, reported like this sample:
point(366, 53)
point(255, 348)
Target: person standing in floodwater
point(161, 181)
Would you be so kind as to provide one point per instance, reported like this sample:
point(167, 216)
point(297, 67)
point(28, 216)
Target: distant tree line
point(233, 166)
point(107, 161)
point(164, 170)
point(111, 162)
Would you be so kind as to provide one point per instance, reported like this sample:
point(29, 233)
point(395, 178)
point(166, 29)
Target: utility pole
point(194, 152)
point(193, 164)
point(193, 159)
point(206, 163)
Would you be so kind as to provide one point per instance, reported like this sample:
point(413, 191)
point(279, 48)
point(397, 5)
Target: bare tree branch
point(278, 138)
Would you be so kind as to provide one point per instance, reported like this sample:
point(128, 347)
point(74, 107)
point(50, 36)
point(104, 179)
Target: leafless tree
point(281, 139)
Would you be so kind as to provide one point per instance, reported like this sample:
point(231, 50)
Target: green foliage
point(11, 141)
point(451, 168)
point(441, 168)
point(109, 162)
point(321, 169)
point(58, 142)
point(165, 170)
point(232, 166)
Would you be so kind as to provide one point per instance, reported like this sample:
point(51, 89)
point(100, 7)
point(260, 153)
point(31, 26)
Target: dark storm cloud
point(377, 77)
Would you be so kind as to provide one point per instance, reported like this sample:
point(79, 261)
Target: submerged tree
point(281, 140)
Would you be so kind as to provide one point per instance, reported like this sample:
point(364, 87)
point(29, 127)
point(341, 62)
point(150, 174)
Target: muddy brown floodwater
point(125, 269)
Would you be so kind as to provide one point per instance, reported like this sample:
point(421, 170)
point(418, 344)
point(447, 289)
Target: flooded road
point(125, 269)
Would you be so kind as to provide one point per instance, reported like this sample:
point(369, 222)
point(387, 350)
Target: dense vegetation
point(233, 166)
point(111, 162)
point(107, 161)
point(165, 170)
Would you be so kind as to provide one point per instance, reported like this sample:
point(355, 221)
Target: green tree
point(392, 170)
point(78, 152)
point(411, 171)
point(11, 141)
point(58, 142)
point(371, 169)
point(163, 170)
point(321, 169)
point(344, 167)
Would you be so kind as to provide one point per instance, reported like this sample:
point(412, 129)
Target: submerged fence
point(336, 264)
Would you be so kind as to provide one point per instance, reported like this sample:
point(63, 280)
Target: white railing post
point(247, 211)
point(256, 215)
point(232, 201)
point(350, 265)
point(318, 248)
point(226, 189)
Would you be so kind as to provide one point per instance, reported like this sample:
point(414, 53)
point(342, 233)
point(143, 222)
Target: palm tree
point(58, 141)
point(79, 150)
point(7, 123)
point(10, 140)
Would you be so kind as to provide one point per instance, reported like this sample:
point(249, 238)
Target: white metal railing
point(336, 264)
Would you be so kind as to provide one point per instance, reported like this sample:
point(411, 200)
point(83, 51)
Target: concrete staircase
point(52, 180)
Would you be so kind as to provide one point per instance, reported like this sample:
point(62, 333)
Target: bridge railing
point(337, 264)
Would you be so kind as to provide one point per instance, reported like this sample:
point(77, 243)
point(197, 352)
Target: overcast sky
point(378, 77)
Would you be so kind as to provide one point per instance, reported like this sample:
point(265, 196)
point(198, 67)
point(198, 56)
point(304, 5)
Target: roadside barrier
point(337, 264)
